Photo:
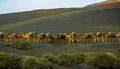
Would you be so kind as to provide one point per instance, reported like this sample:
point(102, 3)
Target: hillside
point(23, 16)
point(63, 20)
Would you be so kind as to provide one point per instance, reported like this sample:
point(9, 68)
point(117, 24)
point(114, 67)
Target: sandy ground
point(40, 49)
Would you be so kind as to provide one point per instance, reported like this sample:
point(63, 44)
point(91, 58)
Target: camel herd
point(68, 38)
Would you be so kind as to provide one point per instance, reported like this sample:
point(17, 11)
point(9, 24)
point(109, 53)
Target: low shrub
point(44, 63)
point(29, 63)
point(3, 60)
point(14, 61)
point(21, 44)
point(101, 60)
point(66, 59)
point(80, 57)
point(49, 56)
point(116, 63)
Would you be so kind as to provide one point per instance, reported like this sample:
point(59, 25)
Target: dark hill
point(79, 20)
point(23, 16)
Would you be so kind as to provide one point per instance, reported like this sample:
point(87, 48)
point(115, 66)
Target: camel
point(26, 36)
point(6, 37)
point(54, 38)
point(14, 36)
point(78, 37)
point(67, 38)
point(34, 35)
point(85, 37)
point(73, 37)
point(30, 35)
point(57, 37)
point(96, 37)
point(117, 36)
point(61, 37)
point(47, 37)
point(41, 37)
point(109, 36)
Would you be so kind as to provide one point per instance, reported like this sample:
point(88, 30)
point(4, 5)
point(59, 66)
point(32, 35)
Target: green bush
point(116, 63)
point(21, 44)
point(66, 59)
point(80, 57)
point(3, 60)
point(14, 61)
point(49, 56)
point(101, 60)
point(44, 63)
point(29, 63)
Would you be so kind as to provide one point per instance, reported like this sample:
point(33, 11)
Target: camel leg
point(105, 40)
point(36, 40)
point(98, 40)
point(82, 40)
point(118, 41)
point(69, 41)
point(4, 41)
point(72, 41)
point(33, 41)
point(78, 40)
point(48, 40)
point(95, 40)
point(102, 39)
point(10, 40)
